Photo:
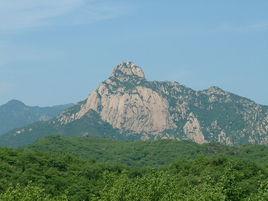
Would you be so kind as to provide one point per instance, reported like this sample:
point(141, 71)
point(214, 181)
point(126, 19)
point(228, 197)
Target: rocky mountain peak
point(216, 90)
point(128, 69)
point(160, 110)
point(127, 102)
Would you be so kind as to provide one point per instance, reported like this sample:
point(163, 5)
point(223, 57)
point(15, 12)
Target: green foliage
point(28, 193)
point(148, 153)
point(193, 172)
point(204, 179)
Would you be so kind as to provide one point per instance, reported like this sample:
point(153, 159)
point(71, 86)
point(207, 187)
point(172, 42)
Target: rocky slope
point(134, 106)
point(16, 114)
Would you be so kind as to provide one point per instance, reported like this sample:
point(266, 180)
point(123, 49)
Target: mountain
point(16, 114)
point(127, 105)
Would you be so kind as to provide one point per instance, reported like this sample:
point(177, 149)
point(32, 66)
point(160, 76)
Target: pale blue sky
point(54, 52)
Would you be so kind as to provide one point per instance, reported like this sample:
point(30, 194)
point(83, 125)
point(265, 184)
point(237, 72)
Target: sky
point(57, 52)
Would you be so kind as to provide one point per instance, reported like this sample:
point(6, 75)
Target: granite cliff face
point(127, 105)
point(132, 108)
point(129, 102)
point(138, 108)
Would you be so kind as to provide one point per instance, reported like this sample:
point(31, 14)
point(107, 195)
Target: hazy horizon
point(57, 52)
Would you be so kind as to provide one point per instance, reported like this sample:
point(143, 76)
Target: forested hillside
point(146, 153)
point(58, 168)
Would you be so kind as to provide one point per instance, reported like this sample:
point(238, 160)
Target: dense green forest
point(147, 153)
point(76, 168)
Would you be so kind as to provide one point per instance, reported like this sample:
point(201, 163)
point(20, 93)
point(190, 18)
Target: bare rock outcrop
point(128, 69)
point(193, 130)
point(141, 110)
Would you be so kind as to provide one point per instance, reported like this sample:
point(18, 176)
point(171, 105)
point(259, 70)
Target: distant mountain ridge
point(15, 114)
point(127, 105)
